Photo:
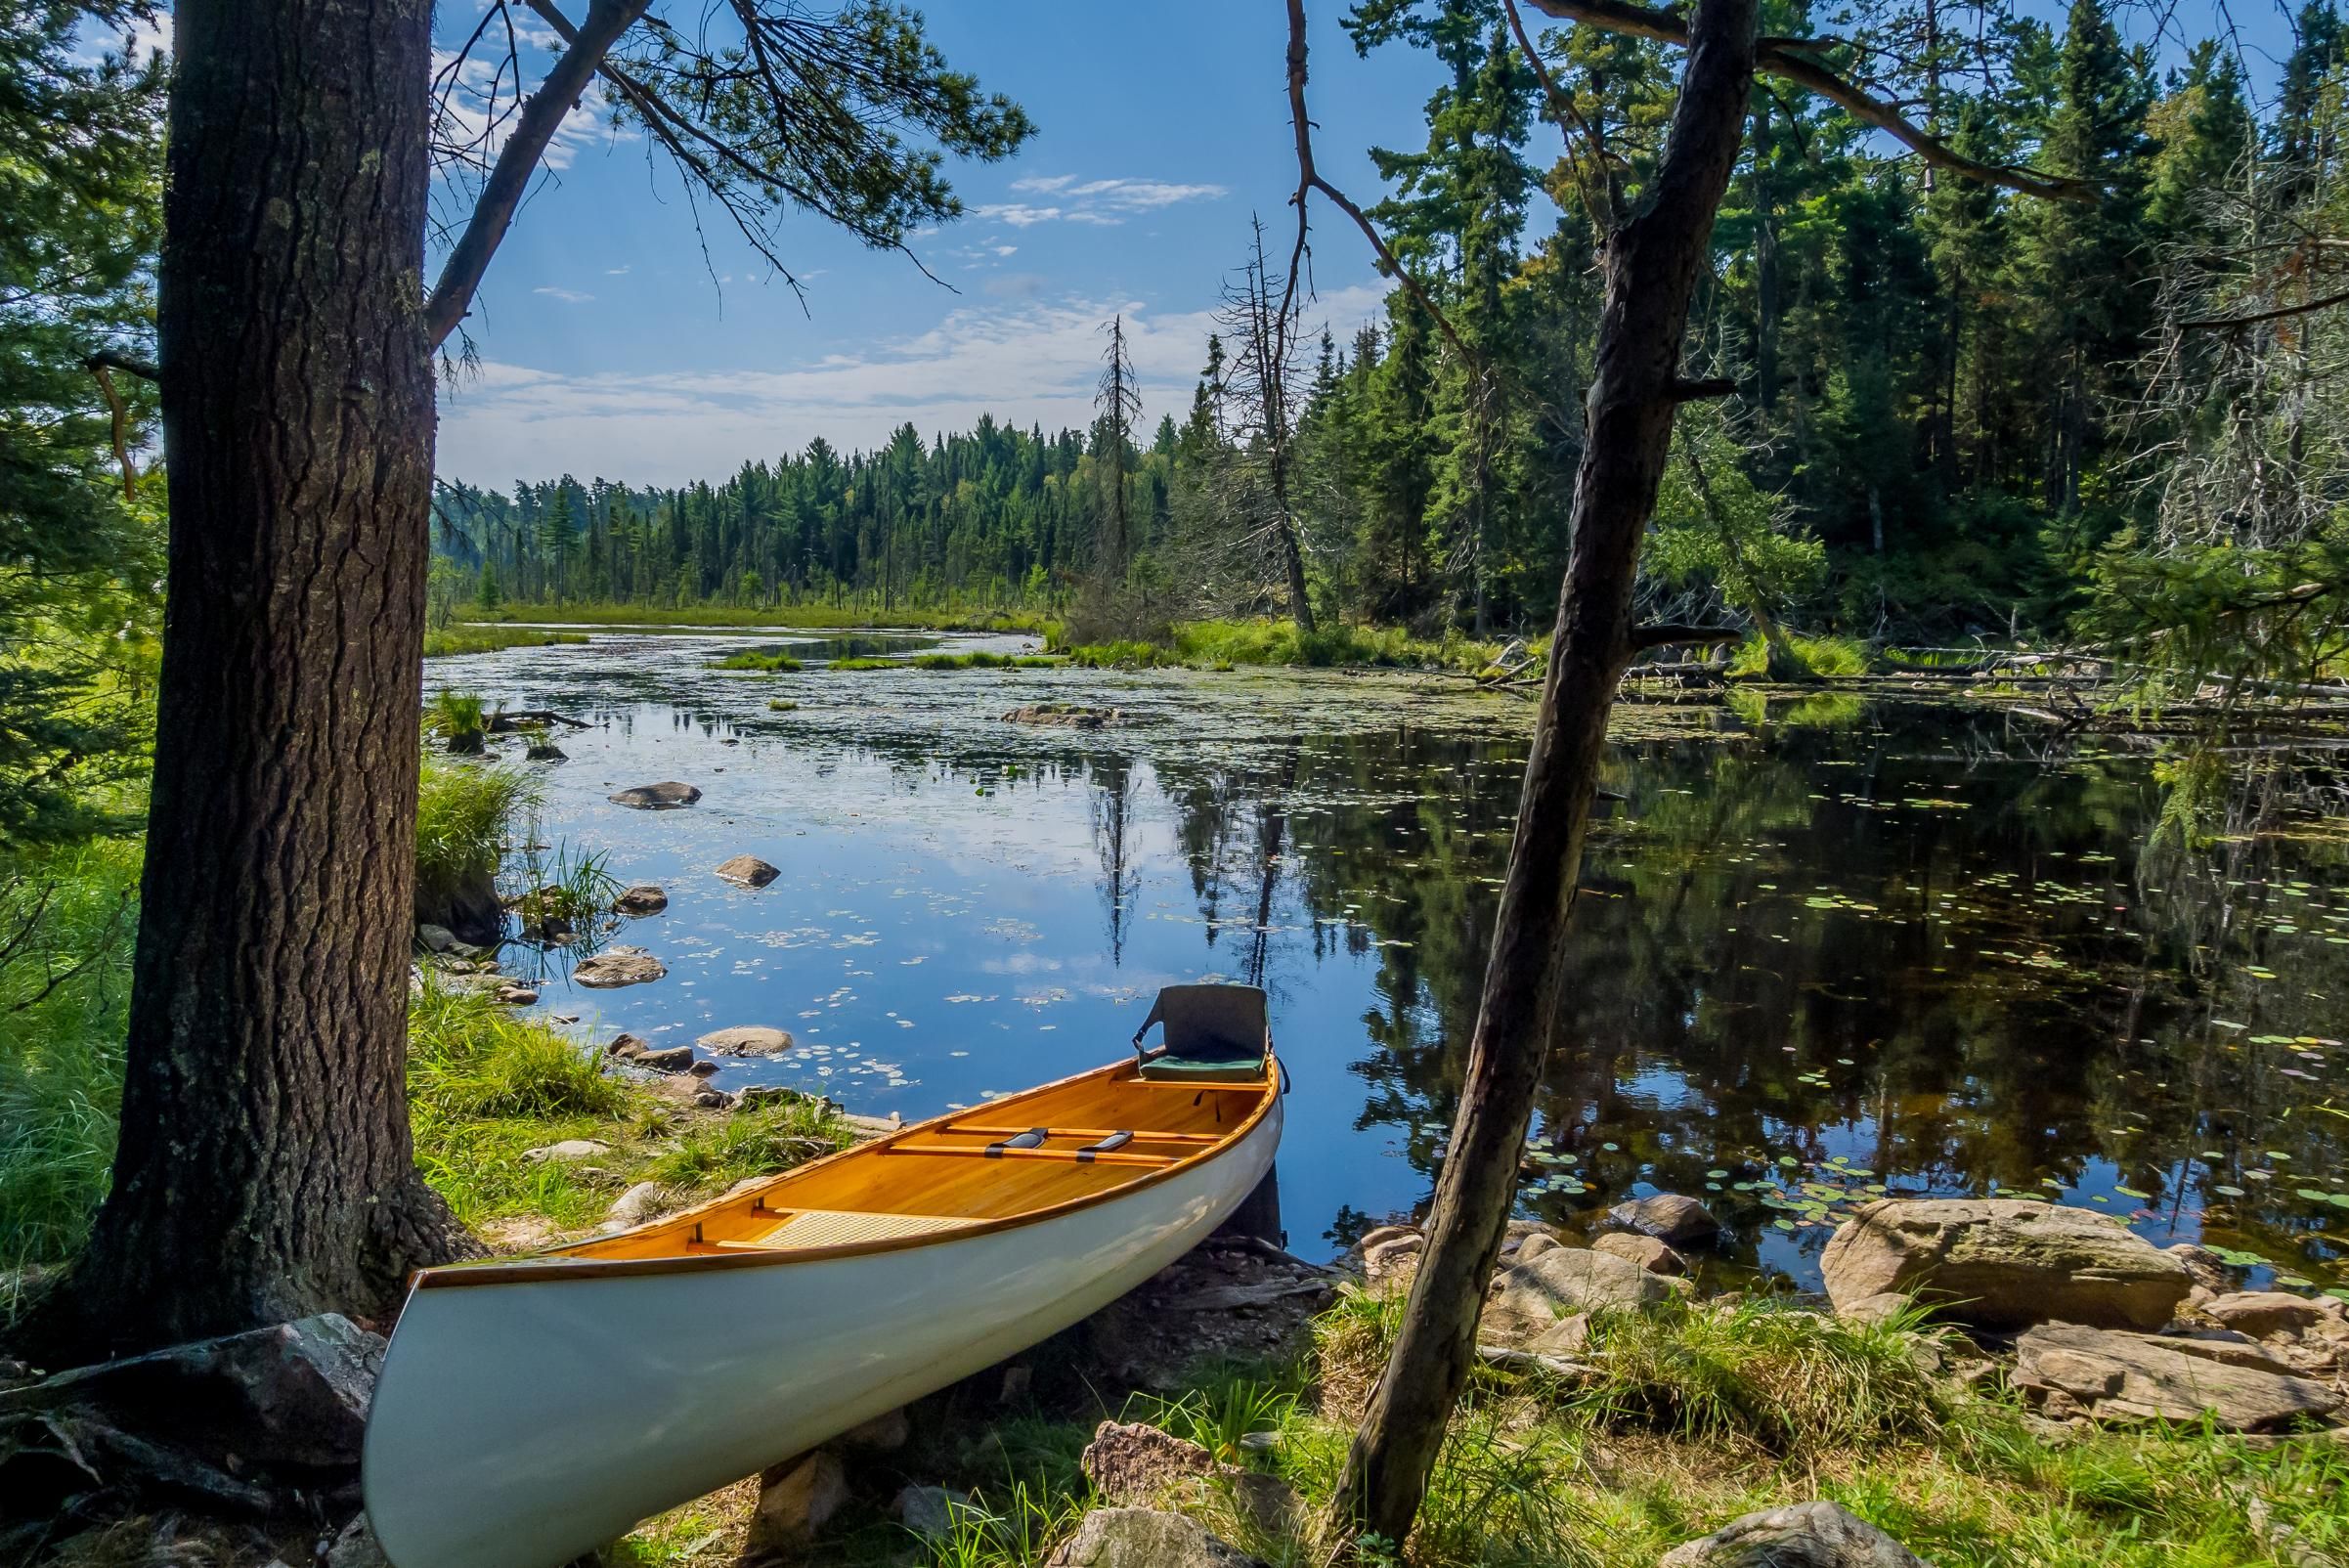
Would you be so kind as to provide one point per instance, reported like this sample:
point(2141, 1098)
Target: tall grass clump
point(464, 813)
point(468, 1057)
point(1794, 1382)
point(776, 661)
point(753, 1142)
point(67, 921)
point(1823, 658)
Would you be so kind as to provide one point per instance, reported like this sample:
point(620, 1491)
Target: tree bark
point(265, 1169)
point(1652, 263)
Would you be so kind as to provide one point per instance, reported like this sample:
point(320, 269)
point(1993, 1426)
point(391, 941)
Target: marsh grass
point(571, 887)
point(464, 811)
point(1827, 657)
point(797, 617)
point(1230, 644)
point(865, 662)
point(776, 662)
point(444, 642)
point(980, 660)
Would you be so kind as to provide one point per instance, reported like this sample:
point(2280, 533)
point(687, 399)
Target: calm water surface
point(1828, 950)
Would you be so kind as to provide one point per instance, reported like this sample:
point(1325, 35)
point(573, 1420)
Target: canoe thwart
point(1033, 1138)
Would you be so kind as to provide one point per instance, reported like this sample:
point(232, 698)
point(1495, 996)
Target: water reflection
point(1824, 952)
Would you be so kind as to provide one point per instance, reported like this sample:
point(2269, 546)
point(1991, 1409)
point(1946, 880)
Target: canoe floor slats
point(831, 1227)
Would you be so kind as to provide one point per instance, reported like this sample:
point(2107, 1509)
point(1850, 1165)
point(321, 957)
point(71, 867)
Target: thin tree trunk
point(265, 1170)
point(1652, 263)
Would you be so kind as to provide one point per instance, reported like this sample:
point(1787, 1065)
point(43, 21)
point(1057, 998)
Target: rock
point(746, 1039)
point(2262, 1313)
point(569, 1151)
point(619, 966)
point(641, 1202)
point(1533, 1247)
point(1135, 1464)
point(1881, 1307)
point(544, 750)
point(664, 1059)
point(1141, 1537)
point(245, 1422)
point(1529, 1298)
point(1382, 1233)
point(1502, 1358)
point(1064, 715)
point(441, 940)
point(796, 1499)
point(748, 871)
point(925, 1510)
point(884, 1433)
point(1804, 1535)
point(664, 797)
point(356, 1548)
point(1391, 1264)
point(641, 899)
point(1648, 1252)
point(517, 996)
point(2203, 1266)
point(1268, 1503)
point(703, 1067)
point(2005, 1263)
point(2119, 1377)
point(1669, 1217)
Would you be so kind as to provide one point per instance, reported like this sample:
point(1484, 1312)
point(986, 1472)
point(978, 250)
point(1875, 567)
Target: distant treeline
point(1947, 415)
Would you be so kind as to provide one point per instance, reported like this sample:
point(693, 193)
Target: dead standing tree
point(265, 1168)
point(1652, 256)
point(1259, 316)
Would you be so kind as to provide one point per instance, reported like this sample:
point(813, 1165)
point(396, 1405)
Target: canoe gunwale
point(562, 1264)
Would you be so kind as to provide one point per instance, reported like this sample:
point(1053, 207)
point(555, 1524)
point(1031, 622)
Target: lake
point(1828, 948)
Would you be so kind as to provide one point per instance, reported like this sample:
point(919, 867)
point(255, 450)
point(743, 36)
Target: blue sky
point(610, 346)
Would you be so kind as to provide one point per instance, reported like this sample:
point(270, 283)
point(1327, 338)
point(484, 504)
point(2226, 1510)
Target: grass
point(823, 617)
point(61, 1046)
point(864, 662)
point(1697, 1415)
point(568, 891)
point(463, 810)
point(985, 661)
point(1230, 644)
point(472, 637)
point(1827, 657)
point(776, 662)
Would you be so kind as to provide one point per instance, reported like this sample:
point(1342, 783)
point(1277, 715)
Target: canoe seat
point(1214, 1034)
point(836, 1227)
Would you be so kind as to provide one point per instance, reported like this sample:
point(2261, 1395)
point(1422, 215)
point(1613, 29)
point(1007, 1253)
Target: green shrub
point(62, 1015)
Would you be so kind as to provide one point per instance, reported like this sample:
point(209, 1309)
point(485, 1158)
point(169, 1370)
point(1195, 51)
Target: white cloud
point(569, 296)
point(615, 272)
point(1104, 204)
point(1026, 362)
point(479, 107)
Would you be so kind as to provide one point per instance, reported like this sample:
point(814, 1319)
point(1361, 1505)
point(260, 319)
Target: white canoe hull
point(519, 1424)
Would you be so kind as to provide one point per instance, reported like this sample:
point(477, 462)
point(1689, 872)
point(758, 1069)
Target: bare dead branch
point(120, 420)
point(518, 159)
point(1674, 636)
point(2306, 307)
point(1790, 59)
point(1309, 180)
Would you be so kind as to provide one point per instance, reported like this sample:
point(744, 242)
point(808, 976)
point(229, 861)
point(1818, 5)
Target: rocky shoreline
point(259, 1434)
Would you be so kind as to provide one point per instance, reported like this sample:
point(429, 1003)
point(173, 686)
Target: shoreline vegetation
point(1665, 1421)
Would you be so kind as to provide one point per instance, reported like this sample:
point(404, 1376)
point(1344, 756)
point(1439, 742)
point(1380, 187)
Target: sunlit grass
point(463, 812)
point(444, 642)
point(776, 662)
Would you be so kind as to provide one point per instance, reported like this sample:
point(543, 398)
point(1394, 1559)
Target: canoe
point(529, 1410)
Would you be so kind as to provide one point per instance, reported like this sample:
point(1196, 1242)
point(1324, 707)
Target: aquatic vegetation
point(1826, 657)
point(442, 643)
point(564, 893)
point(865, 662)
point(464, 816)
point(770, 661)
point(982, 660)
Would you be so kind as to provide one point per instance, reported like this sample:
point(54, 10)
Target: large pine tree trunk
point(1652, 264)
point(265, 1169)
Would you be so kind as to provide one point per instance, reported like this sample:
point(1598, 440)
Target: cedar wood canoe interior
point(929, 1182)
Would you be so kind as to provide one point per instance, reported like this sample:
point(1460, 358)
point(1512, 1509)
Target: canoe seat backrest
point(1216, 1028)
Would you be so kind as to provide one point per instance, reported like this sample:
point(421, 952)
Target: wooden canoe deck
point(936, 1177)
